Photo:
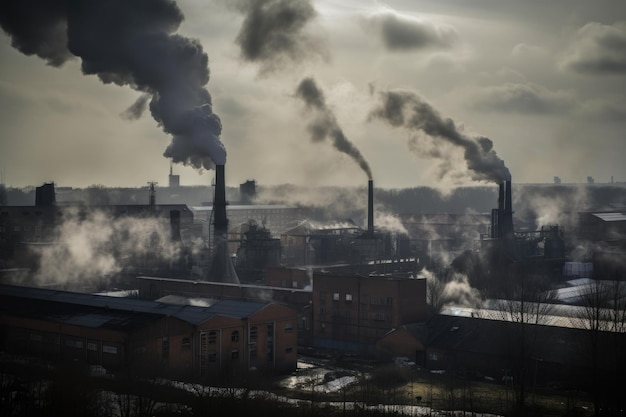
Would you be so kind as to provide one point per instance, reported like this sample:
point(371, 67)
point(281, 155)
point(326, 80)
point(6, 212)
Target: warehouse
point(193, 342)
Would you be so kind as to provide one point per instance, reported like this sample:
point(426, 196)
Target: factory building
point(219, 338)
point(352, 312)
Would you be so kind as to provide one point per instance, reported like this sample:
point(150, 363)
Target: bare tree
point(526, 305)
point(603, 317)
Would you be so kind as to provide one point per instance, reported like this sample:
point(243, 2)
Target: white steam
point(96, 245)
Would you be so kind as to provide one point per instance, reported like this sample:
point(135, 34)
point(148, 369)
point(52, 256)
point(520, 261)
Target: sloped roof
point(611, 217)
point(308, 226)
point(496, 338)
point(47, 301)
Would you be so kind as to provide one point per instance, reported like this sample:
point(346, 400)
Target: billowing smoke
point(389, 222)
point(133, 43)
point(408, 110)
point(450, 289)
point(325, 125)
point(273, 32)
point(99, 245)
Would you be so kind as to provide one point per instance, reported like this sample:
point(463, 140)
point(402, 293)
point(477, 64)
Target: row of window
point(365, 299)
point(234, 354)
point(74, 343)
point(234, 335)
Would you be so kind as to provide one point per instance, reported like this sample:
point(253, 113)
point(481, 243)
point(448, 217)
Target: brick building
point(352, 312)
point(219, 338)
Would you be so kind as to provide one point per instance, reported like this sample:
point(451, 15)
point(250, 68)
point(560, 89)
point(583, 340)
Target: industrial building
point(216, 338)
point(352, 312)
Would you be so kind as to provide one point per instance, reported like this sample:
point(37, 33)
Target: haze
point(544, 81)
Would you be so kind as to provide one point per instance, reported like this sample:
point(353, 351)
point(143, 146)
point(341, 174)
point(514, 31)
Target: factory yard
point(317, 387)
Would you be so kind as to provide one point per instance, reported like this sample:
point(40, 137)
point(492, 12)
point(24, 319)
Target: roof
point(112, 307)
point(496, 338)
point(611, 217)
point(307, 227)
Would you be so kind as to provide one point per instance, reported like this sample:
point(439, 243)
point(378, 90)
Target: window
point(289, 350)
point(212, 337)
point(288, 328)
point(253, 334)
point(109, 349)
point(234, 336)
point(253, 353)
point(389, 301)
point(322, 311)
point(335, 296)
point(212, 357)
point(234, 354)
point(348, 297)
point(186, 343)
point(165, 347)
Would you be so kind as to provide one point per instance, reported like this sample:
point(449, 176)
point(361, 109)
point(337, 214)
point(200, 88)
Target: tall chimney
point(370, 207)
point(499, 223)
point(220, 221)
point(508, 210)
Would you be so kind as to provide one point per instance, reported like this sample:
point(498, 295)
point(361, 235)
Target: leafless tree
point(525, 306)
point(603, 317)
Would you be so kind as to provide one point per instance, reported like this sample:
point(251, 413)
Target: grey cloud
point(526, 98)
point(401, 33)
point(533, 99)
point(611, 109)
point(598, 49)
point(273, 32)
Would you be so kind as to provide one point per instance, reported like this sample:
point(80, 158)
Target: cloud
point(533, 99)
point(598, 50)
point(404, 33)
point(273, 33)
point(611, 108)
point(527, 98)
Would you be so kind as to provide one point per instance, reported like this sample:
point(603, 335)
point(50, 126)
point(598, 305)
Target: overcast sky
point(302, 90)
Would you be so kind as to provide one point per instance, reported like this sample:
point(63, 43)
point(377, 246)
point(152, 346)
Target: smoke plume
point(133, 43)
point(100, 245)
point(273, 32)
point(406, 109)
point(325, 124)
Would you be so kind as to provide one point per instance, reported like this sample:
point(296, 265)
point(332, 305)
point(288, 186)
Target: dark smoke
point(273, 33)
point(406, 109)
point(325, 124)
point(129, 42)
point(136, 110)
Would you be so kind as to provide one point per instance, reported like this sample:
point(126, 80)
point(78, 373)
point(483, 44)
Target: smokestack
point(508, 210)
point(501, 197)
point(497, 216)
point(220, 221)
point(370, 207)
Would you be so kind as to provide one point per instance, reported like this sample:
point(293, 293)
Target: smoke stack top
point(408, 110)
point(133, 43)
point(325, 124)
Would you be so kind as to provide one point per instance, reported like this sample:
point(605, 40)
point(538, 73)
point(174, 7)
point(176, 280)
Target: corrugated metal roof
point(188, 313)
point(611, 217)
